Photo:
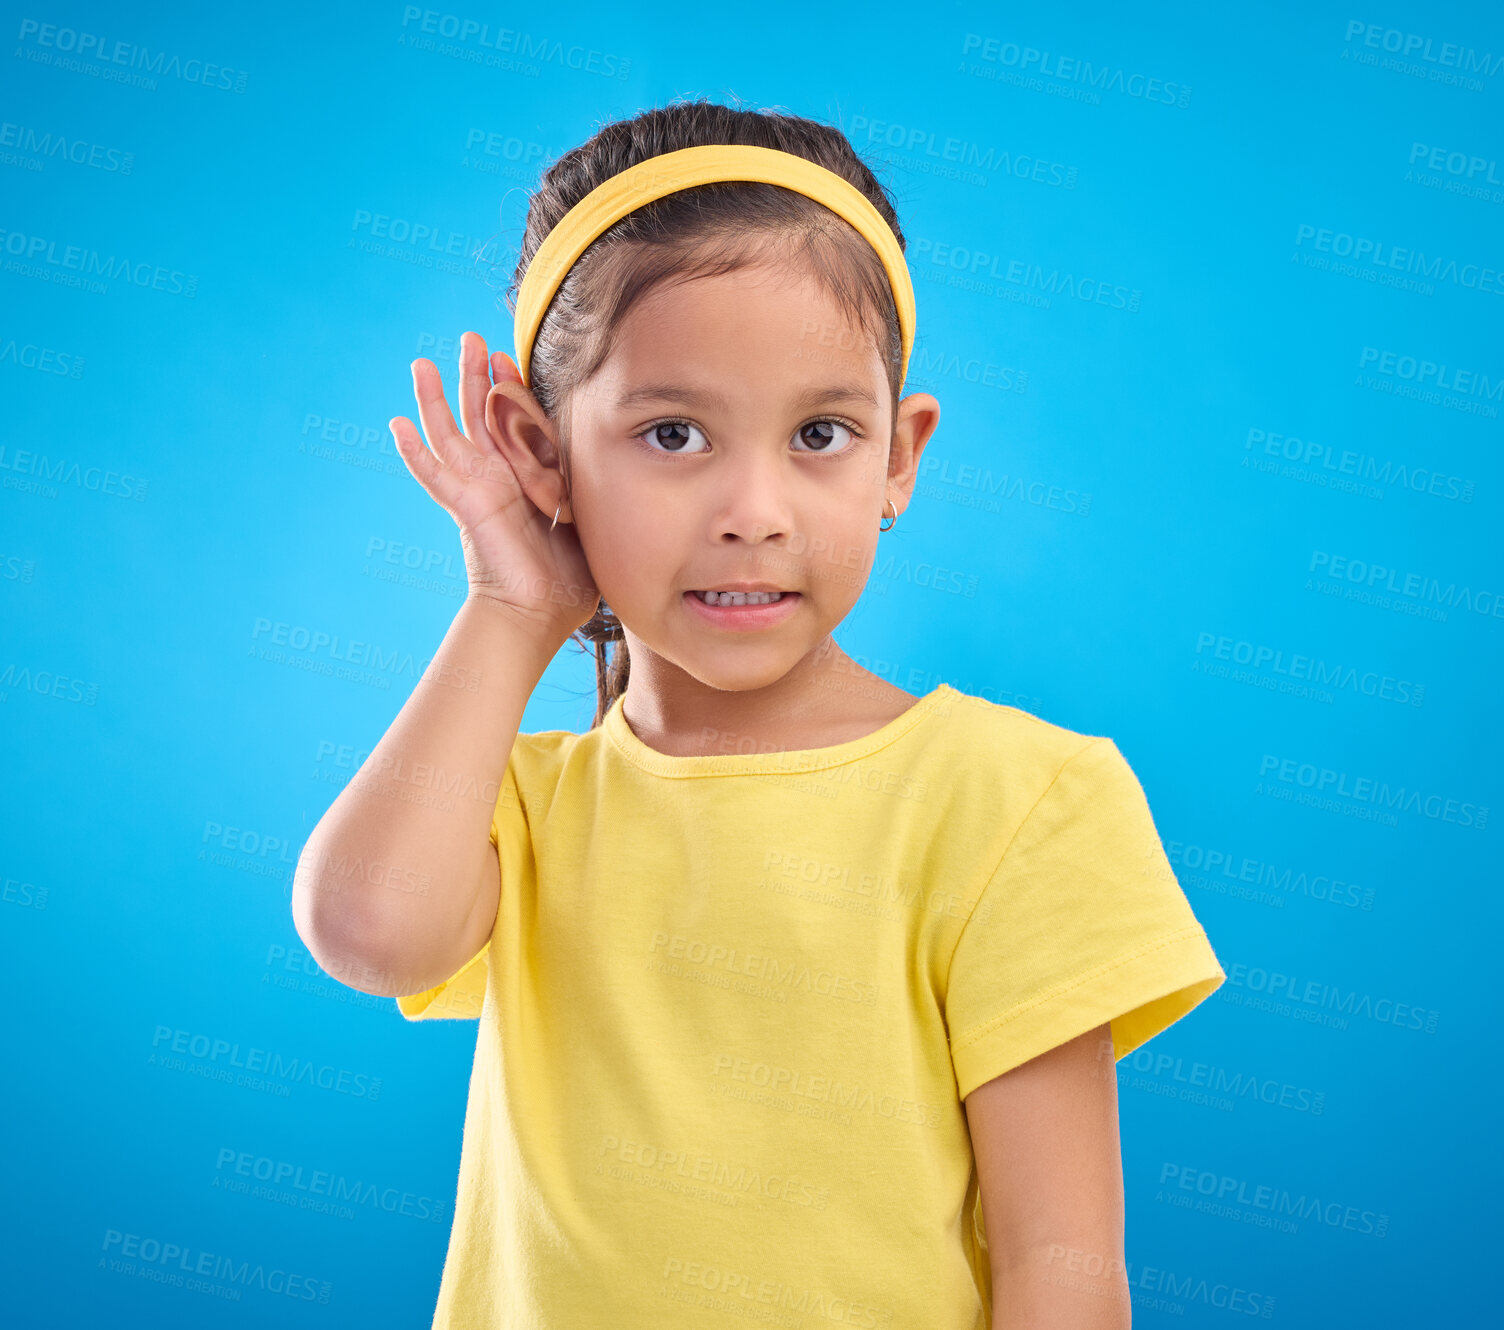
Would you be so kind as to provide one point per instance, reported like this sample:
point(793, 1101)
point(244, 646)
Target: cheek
point(631, 544)
point(841, 562)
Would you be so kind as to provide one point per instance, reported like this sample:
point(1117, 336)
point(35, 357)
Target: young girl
point(799, 996)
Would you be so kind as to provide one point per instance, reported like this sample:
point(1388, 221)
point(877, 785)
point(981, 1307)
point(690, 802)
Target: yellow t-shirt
point(732, 1003)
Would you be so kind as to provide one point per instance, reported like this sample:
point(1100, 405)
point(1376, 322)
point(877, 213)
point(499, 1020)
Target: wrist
point(538, 633)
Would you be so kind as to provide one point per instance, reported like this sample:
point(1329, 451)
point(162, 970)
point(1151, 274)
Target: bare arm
point(1049, 1167)
point(398, 885)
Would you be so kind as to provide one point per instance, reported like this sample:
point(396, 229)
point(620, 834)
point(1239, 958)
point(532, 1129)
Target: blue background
point(198, 452)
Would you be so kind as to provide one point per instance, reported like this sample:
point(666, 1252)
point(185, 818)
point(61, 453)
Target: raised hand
point(511, 556)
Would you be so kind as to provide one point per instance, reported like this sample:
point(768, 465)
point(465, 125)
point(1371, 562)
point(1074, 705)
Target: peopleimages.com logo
point(1373, 790)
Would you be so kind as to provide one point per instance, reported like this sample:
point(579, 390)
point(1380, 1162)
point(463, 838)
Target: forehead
point(729, 334)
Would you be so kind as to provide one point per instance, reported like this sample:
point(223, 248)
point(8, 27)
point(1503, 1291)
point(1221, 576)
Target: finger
point(504, 367)
point(475, 383)
point(426, 469)
point(444, 438)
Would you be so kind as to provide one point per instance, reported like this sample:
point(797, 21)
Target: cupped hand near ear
point(511, 556)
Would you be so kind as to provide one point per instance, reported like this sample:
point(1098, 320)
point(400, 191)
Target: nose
point(754, 501)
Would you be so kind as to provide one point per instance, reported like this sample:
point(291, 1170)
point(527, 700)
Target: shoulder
point(1027, 748)
point(539, 761)
point(985, 766)
point(548, 745)
point(1064, 776)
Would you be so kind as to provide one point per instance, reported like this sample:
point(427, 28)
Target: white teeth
point(739, 597)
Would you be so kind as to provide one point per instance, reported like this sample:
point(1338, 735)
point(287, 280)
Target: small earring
point(555, 522)
point(889, 504)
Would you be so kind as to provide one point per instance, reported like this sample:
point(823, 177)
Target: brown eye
point(821, 436)
point(671, 436)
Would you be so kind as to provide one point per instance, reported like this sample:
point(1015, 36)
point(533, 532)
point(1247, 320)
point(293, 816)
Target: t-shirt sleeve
point(1082, 923)
point(463, 994)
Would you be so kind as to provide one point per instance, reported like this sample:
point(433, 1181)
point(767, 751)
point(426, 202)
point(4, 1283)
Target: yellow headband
point(670, 172)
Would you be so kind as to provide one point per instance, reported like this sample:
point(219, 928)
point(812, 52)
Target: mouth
point(733, 598)
point(741, 610)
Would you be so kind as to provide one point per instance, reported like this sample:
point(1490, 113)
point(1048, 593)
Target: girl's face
point(739, 433)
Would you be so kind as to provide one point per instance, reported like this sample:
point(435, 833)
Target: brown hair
point(703, 231)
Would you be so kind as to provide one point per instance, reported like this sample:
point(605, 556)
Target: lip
point(744, 618)
point(746, 588)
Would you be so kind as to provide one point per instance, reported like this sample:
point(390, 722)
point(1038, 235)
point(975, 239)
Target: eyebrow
point(810, 397)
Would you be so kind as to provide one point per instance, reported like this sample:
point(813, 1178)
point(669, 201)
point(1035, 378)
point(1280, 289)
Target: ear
point(918, 416)
point(527, 439)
